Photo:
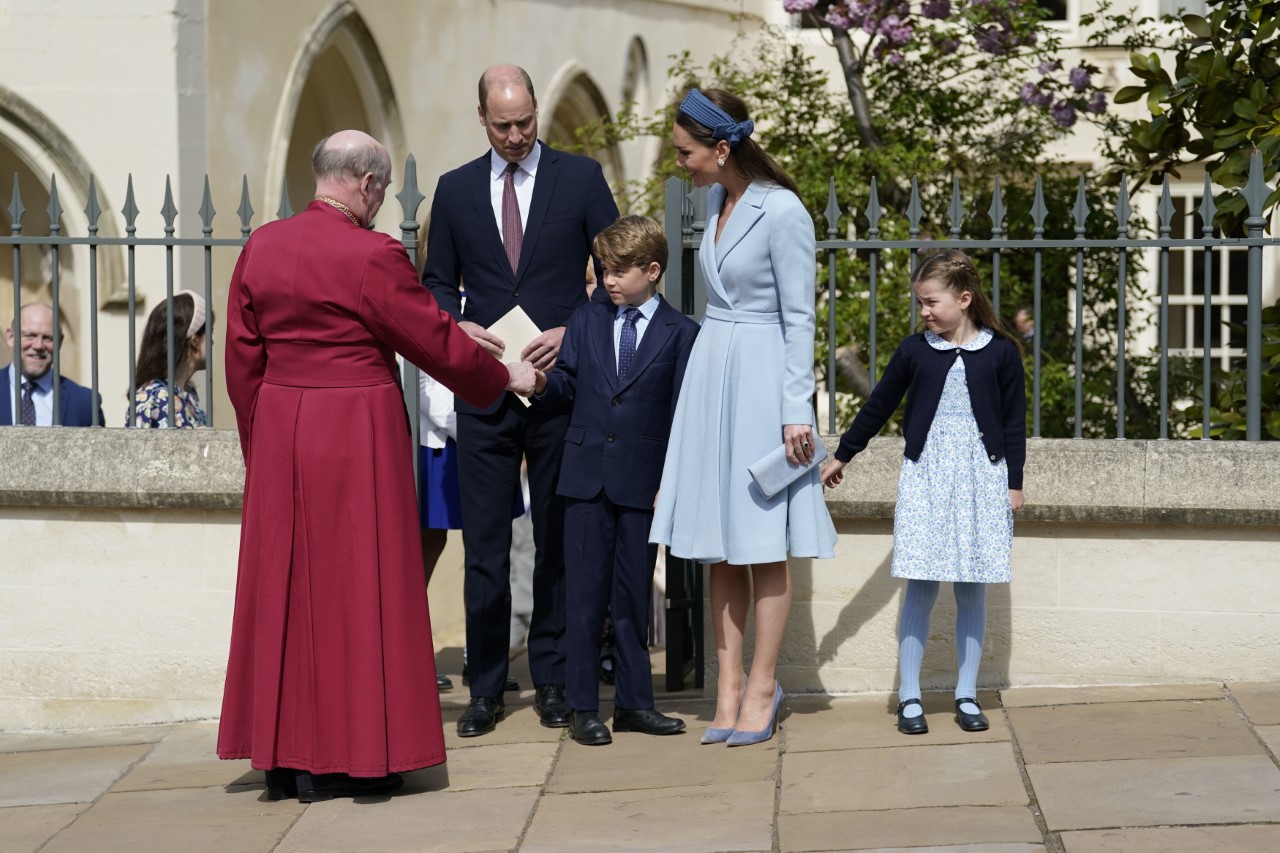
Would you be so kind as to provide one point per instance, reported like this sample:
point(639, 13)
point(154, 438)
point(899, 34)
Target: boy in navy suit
point(620, 369)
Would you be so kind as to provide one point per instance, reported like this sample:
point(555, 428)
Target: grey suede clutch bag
point(773, 473)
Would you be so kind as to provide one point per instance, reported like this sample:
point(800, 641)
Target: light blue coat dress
point(750, 372)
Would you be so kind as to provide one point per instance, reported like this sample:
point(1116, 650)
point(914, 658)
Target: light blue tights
point(913, 632)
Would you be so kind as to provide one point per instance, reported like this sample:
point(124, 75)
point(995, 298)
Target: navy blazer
point(618, 432)
point(996, 380)
point(571, 204)
point(77, 402)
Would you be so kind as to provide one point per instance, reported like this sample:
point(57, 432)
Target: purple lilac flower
point(1098, 103)
point(838, 19)
point(1028, 92)
point(936, 9)
point(895, 58)
point(1047, 67)
point(1063, 113)
point(1079, 78)
point(989, 40)
point(798, 5)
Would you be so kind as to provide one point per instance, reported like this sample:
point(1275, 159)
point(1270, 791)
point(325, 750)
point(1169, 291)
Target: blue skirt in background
point(440, 503)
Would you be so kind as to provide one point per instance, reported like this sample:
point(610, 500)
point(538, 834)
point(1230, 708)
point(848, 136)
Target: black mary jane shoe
point(912, 725)
point(318, 787)
point(971, 722)
point(282, 783)
point(588, 729)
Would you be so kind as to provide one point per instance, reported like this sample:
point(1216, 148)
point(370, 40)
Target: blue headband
point(722, 126)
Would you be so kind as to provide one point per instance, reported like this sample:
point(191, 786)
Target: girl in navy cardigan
point(966, 440)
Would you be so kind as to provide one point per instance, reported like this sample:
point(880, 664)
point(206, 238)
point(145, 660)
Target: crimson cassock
point(331, 666)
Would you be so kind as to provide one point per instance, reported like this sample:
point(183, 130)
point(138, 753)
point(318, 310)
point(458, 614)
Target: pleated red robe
point(331, 666)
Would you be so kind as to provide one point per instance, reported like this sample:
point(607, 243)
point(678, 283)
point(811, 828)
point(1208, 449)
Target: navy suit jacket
point(618, 432)
point(571, 204)
point(77, 402)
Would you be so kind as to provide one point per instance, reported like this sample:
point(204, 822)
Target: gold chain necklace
point(334, 203)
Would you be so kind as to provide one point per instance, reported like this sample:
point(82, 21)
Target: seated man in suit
point(620, 368)
point(76, 405)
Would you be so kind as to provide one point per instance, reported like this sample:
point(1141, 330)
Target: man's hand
point(543, 349)
point(521, 377)
point(492, 344)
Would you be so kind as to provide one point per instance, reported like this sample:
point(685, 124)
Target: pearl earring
point(720, 161)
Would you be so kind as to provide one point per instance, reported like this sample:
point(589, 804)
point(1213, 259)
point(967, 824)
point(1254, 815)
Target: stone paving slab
point(1120, 730)
point(519, 725)
point(814, 724)
point(187, 758)
point(123, 736)
point(964, 848)
point(979, 774)
point(1260, 701)
point(1025, 697)
point(504, 765)
point(1271, 737)
point(869, 830)
point(23, 829)
point(1175, 839)
point(193, 820)
point(710, 818)
point(440, 822)
point(64, 775)
point(1153, 792)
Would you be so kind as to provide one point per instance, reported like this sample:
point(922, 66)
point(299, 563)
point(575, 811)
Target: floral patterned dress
point(151, 407)
point(953, 521)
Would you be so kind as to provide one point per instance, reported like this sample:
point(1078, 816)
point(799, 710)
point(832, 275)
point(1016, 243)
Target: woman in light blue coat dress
point(747, 389)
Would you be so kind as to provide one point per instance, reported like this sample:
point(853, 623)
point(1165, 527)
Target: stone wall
point(1134, 562)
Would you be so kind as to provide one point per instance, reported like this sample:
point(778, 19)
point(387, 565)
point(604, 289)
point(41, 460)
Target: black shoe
point(647, 721)
point(511, 685)
point(443, 682)
point(282, 783)
point(971, 722)
point(912, 725)
point(551, 707)
point(481, 717)
point(588, 729)
point(316, 788)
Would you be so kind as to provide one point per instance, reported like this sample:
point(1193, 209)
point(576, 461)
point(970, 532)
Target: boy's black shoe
point(588, 729)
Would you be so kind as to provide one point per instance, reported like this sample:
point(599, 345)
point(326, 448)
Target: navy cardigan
point(997, 391)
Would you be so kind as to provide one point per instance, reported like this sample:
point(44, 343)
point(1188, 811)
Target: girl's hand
point(799, 441)
point(1015, 499)
point(833, 473)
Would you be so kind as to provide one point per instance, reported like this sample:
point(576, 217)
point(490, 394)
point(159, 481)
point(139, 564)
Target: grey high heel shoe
point(741, 738)
point(714, 735)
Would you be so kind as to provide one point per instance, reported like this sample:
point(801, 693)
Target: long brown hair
point(153, 352)
point(751, 161)
point(956, 271)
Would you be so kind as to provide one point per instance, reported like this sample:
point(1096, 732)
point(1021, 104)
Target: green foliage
point(1220, 101)
point(1227, 411)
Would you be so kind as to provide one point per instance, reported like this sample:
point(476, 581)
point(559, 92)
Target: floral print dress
point(953, 521)
point(151, 407)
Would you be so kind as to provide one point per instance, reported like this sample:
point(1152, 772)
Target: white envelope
point(517, 332)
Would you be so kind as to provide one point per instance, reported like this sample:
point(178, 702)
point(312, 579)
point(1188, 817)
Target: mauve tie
point(512, 230)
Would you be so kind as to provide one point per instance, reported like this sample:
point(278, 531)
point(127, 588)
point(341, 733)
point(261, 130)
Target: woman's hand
point(798, 439)
point(1015, 499)
point(833, 473)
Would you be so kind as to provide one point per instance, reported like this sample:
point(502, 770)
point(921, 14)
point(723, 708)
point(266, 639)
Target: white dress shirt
point(41, 397)
point(523, 178)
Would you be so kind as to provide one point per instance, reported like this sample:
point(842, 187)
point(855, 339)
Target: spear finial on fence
point(55, 207)
point(1123, 211)
point(1038, 209)
point(169, 211)
point(914, 211)
point(285, 210)
point(1256, 192)
point(410, 196)
point(245, 211)
point(207, 211)
point(956, 212)
point(833, 213)
point(997, 212)
point(1165, 209)
point(1081, 210)
point(874, 212)
point(130, 209)
point(1208, 210)
point(91, 209)
point(16, 210)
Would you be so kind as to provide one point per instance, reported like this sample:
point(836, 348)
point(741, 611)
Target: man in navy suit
point(76, 405)
point(515, 226)
point(620, 368)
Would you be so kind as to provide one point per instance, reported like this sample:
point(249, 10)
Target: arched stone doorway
point(575, 101)
point(337, 81)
